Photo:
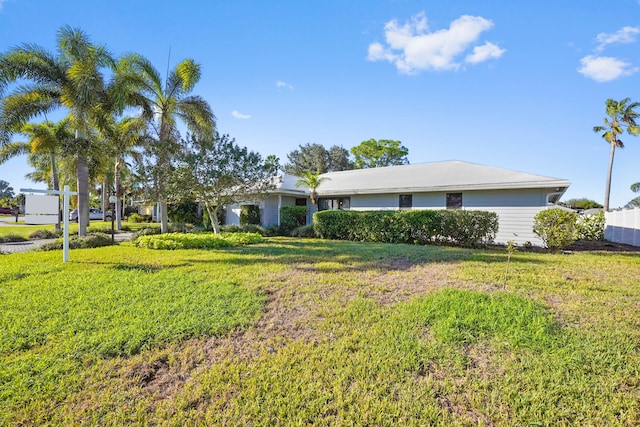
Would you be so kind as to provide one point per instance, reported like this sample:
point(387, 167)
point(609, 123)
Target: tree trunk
point(213, 217)
point(56, 186)
point(609, 172)
point(83, 194)
point(118, 195)
point(162, 163)
point(104, 198)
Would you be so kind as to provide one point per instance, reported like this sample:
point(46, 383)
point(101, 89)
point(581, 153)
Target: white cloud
point(623, 35)
point(1, 4)
point(604, 68)
point(483, 53)
point(285, 85)
point(239, 115)
point(411, 47)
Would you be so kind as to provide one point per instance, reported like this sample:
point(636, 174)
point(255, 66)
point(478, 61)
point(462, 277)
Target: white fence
point(623, 226)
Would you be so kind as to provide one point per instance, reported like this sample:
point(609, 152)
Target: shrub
point(12, 237)
point(304, 231)
point(196, 240)
point(135, 217)
point(185, 212)
point(249, 215)
point(146, 231)
point(292, 217)
point(556, 228)
point(591, 227)
point(45, 234)
point(94, 240)
point(464, 228)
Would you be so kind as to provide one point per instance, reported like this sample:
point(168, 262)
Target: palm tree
point(71, 79)
point(45, 139)
point(169, 101)
point(122, 137)
point(312, 181)
point(621, 116)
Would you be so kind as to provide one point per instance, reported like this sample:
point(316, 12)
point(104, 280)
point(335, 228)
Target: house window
point(454, 200)
point(406, 201)
point(341, 203)
point(301, 202)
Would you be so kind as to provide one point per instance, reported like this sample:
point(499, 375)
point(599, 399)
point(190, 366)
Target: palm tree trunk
point(609, 172)
point(83, 195)
point(56, 186)
point(118, 195)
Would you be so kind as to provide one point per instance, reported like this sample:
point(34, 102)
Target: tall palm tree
point(312, 181)
point(621, 117)
point(122, 137)
point(71, 79)
point(169, 101)
point(47, 139)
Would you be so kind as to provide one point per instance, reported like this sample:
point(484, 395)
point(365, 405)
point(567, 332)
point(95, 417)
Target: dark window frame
point(453, 200)
point(405, 201)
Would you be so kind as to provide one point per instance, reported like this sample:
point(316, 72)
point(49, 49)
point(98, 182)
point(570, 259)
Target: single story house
point(515, 196)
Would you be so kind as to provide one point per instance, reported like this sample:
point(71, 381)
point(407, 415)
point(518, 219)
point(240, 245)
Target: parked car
point(93, 214)
point(7, 211)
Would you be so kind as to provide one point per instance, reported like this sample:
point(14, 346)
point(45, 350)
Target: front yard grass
point(312, 332)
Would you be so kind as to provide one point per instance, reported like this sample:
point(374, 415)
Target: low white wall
point(623, 226)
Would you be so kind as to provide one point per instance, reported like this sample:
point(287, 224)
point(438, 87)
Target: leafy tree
point(315, 158)
point(6, 191)
point(339, 159)
point(621, 117)
point(312, 181)
point(582, 203)
point(377, 153)
point(169, 101)
point(72, 79)
point(217, 172)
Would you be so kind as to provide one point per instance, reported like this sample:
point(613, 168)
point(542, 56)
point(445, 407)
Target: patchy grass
point(310, 332)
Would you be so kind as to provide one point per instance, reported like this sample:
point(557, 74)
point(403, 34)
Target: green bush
point(136, 217)
point(185, 212)
point(196, 240)
point(292, 217)
point(556, 228)
point(94, 240)
point(45, 234)
point(146, 231)
point(249, 215)
point(304, 231)
point(12, 237)
point(459, 227)
point(591, 227)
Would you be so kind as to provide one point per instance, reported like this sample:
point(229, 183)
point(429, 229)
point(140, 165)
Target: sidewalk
point(36, 243)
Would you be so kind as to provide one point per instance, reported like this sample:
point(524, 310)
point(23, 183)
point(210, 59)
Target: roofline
point(559, 185)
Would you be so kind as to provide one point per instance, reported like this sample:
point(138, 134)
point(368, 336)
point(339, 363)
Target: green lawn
point(311, 332)
point(20, 229)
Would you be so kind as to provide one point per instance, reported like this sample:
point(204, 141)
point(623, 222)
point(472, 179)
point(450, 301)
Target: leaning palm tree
point(621, 117)
point(312, 181)
point(169, 101)
point(71, 79)
point(47, 139)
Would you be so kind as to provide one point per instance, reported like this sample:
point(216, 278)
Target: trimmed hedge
point(459, 227)
point(292, 217)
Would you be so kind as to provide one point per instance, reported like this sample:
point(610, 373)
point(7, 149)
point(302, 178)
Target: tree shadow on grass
point(333, 255)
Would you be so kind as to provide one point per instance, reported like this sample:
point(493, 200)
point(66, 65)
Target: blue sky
point(511, 84)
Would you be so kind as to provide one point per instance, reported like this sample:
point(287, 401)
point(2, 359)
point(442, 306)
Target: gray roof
point(431, 177)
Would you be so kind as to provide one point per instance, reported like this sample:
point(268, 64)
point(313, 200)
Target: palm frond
point(12, 150)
